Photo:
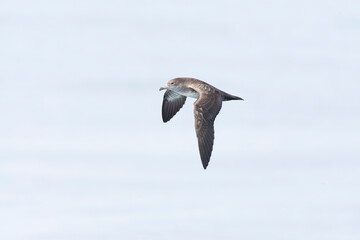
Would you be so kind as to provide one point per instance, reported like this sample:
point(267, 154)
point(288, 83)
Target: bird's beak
point(162, 88)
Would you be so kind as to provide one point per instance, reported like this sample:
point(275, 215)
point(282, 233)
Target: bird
point(206, 108)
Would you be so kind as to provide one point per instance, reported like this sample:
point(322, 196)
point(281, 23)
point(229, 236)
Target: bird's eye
point(172, 83)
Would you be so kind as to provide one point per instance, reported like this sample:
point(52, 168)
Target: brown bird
point(206, 108)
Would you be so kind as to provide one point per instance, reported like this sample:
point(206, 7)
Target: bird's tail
point(228, 97)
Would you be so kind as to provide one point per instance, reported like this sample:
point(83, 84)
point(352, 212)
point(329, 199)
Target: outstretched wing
point(206, 108)
point(172, 103)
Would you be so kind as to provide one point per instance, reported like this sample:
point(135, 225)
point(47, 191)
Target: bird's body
point(206, 108)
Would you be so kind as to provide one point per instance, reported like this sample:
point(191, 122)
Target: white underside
point(188, 93)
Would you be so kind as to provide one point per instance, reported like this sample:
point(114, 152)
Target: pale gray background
point(84, 152)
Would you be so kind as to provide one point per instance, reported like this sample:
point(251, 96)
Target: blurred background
point(84, 153)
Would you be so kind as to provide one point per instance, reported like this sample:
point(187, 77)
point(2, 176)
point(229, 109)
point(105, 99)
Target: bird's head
point(173, 84)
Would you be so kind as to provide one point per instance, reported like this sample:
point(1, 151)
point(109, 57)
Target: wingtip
point(205, 165)
point(165, 120)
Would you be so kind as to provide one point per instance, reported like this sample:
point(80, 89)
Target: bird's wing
point(206, 108)
point(172, 103)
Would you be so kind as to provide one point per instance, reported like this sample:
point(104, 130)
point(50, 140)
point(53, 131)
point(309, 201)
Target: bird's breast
point(188, 92)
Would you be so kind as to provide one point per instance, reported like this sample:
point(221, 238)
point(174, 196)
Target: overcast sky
point(84, 153)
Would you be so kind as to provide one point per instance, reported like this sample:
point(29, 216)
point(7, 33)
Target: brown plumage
point(206, 108)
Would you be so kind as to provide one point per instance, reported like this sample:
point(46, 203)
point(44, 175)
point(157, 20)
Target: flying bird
point(206, 108)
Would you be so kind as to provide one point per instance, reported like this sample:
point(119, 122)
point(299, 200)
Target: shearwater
point(206, 108)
